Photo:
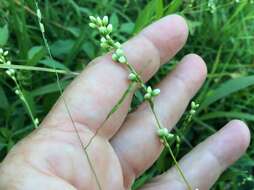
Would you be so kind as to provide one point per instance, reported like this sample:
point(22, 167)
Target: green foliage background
point(223, 36)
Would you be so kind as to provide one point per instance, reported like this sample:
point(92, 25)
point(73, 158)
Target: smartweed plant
point(105, 29)
point(18, 90)
point(42, 29)
point(109, 44)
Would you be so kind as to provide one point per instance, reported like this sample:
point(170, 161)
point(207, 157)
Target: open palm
point(51, 158)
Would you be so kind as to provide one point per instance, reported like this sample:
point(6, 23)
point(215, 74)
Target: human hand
point(52, 158)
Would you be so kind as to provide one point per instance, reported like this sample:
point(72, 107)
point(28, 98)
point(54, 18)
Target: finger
point(137, 138)
point(29, 178)
point(209, 159)
point(92, 95)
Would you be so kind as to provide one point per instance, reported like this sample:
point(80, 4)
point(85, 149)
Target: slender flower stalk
point(42, 29)
point(107, 43)
point(18, 91)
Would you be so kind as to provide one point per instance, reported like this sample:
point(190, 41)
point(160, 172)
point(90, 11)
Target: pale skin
point(51, 158)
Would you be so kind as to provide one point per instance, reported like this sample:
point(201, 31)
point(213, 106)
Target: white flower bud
point(104, 45)
point(170, 136)
point(132, 77)
point(122, 60)
point(103, 40)
point(149, 89)
point(156, 92)
point(42, 27)
point(178, 139)
point(6, 53)
point(92, 18)
point(1, 51)
point(38, 12)
point(109, 28)
point(12, 71)
point(105, 20)
point(147, 96)
point(119, 52)
point(114, 57)
point(99, 21)
point(8, 72)
point(118, 45)
point(17, 92)
point(162, 132)
point(103, 29)
point(194, 105)
point(192, 112)
point(92, 25)
point(36, 121)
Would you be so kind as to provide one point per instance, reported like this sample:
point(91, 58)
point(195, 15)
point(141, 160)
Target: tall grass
point(222, 35)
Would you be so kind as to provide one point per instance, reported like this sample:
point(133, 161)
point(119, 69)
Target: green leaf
point(222, 114)
point(61, 47)
point(193, 25)
point(89, 49)
point(173, 6)
point(49, 88)
point(114, 20)
point(75, 31)
point(35, 54)
point(127, 28)
point(226, 89)
point(30, 100)
point(54, 64)
point(152, 11)
point(4, 35)
point(3, 99)
point(159, 9)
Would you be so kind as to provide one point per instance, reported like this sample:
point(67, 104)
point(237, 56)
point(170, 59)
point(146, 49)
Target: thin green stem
point(32, 68)
point(62, 96)
point(92, 168)
point(159, 125)
point(23, 98)
point(177, 165)
point(12, 74)
point(166, 144)
point(113, 110)
point(108, 43)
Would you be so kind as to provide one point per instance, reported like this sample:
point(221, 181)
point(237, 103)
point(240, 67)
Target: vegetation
point(222, 32)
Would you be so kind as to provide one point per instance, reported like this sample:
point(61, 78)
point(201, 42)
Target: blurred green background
point(221, 31)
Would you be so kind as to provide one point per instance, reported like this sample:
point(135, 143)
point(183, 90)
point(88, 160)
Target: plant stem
point(118, 56)
point(166, 144)
point(64, 101)
point(32, 68)
point(113, 110)
point(23, 98)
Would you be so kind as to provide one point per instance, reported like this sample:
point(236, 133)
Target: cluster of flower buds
point(101, 24)
point(133, 77)
point(211, 6)
point(3, 54)
point(163, 133)
point(194, 107)
point(20, 94)
point(151, 93)
point(119, 56)
point(105, 29)
point(3, 60)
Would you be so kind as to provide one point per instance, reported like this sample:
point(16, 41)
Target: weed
point(224, 38)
